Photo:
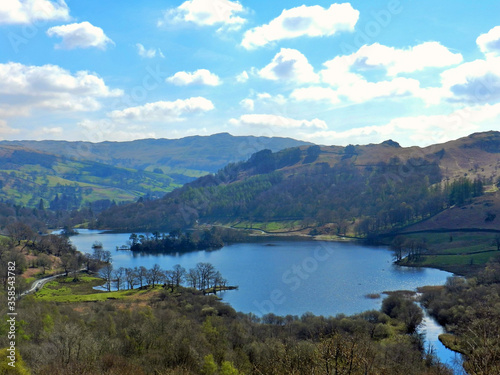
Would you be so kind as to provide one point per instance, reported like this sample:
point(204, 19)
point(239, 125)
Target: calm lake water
point(285, 277)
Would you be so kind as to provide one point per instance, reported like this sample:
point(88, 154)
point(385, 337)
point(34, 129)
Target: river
point(285, 277)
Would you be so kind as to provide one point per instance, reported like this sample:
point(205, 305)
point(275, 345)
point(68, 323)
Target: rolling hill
point(356, 190)
point(67, 175)
point(28, 176)
point(183, 159)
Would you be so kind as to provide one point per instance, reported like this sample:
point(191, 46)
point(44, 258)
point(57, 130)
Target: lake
point(293, 277)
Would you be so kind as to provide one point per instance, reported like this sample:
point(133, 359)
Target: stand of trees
point(365, 200)
point(178, 241)
point(468, 308)
point(203, 277)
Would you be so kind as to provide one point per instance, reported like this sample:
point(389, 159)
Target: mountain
point(357, 190)
point(183, 159)
point(28, 176)
point(67, 175)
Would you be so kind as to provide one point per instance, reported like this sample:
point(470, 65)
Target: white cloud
point(274, 121)
point(355, 87)
point(199, 77)
point(206, 13)
point(341, 70)
point(51, 131)
point(242, 77)
point(163, 111)
point(248, 104)
point(312, 21)
point(362, 90)
point(80, 35)
point(28, 11)
point(315, 94)
point(412, 59)
point(148, 53)
point(107, 130)
point(346, 74)
point(489, 43)
point(50, 87)
point(416, 130)
point(6, 130)
point(289, 64)
point(473, 82)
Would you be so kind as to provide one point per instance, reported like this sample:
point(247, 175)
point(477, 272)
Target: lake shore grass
point(66, 289)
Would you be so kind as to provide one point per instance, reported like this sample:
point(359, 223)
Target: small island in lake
point(177, 241)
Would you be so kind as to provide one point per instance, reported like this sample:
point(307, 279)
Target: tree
point(218, 280)
point(398, 245)
point(19, 231)
point(156, 274)
point(44, 262)
point(192, 277)
point(404, 310)
point(101, 255)
point(118, 276)
point(227, 368)
point(67, 263)
point(169, 279)
point(178, 274)
point(209, 365)
point(107, 274)
point(205, 273)
point(142, 273)
point(130, 277)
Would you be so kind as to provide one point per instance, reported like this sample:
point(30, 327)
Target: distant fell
point(189, 157)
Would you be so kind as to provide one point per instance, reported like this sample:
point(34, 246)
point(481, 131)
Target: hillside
point(81, 172)
point(355, 190)
point(482, 213)
point(28, 176)
point(183, 159)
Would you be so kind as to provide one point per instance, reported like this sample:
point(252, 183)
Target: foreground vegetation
point(159, 331)
point(468, 308)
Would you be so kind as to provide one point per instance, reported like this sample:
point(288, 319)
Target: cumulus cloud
point(346, 74)
point(289, 64)
point(355, 87)
point(340, 70)
point(416, 130)
point(242, 77)
point(164, 111)
point(275, 121)
point(148, 53)
point(198, 77)
point(474, 82)
point(312, 21)
point(28, 11)
point(80, 35)
point(50, 87)
point(248, 104)
point(206, 13)
point(489, 43)
point(412, 59)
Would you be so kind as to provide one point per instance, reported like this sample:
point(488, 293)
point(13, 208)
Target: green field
point(271, 226)
point(65, 289)
point(458, 252)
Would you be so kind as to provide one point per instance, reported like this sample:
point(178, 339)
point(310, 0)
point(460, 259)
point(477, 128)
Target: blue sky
point(419, 72)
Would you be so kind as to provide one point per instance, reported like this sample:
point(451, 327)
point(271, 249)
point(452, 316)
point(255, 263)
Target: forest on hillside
point(290, 185)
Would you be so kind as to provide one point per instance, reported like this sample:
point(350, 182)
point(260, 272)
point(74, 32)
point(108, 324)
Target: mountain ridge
point(359, 188)
point(196, 154)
